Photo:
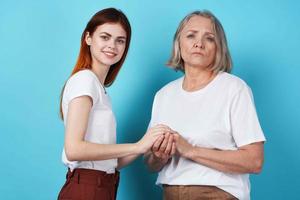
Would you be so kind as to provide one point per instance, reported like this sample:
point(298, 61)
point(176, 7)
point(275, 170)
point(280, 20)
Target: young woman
point(90, 151)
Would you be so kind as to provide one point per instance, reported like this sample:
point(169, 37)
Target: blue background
point(39, 46)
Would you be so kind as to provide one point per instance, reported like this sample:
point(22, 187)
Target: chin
point(199, 65)
point(109, 62)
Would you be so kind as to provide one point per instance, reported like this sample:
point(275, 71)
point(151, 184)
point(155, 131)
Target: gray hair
point(222, 60)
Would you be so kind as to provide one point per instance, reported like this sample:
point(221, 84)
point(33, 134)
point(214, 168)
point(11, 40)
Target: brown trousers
point(195, 192)
point(88, 184)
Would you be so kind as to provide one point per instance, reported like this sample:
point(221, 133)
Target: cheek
point(212, 51)
point(183, 51)
point(93, 50)
point(185, 46)
point(183, 54)
point(121, 51)
point(95, 45)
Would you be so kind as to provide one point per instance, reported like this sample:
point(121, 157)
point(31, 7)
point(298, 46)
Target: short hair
point(222, 61)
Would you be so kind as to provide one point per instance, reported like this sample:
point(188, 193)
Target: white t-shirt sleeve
point(81, 84)
point(244, 121)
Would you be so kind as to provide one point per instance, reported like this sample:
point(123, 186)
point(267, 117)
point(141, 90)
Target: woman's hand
point(164, 147)
point(150, 137)
point(183, 148)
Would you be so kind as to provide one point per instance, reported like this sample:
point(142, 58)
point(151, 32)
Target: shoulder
point(232, 82)
point(170, 87)
point(81, 83)
point(82, 79)
point(83, 76)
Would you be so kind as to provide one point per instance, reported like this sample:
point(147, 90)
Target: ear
point(88, 39)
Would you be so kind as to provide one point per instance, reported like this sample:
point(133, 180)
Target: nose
point(111, 44)
point(199, 44)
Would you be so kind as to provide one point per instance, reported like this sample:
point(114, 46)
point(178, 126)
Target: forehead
point(198, 23)
point(112, 28)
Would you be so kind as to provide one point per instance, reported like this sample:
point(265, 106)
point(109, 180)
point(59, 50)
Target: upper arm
point(77, 120)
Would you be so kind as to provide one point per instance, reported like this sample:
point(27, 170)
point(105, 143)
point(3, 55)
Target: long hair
point(222, 60)
point(84, 60)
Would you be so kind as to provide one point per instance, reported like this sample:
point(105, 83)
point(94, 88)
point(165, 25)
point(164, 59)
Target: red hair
point(84, 60)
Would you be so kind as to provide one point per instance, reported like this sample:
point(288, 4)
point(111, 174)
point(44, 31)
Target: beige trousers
point(195, 192)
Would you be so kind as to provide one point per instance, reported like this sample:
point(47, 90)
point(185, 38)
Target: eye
point(210, 38)
point(104, 37)
point(190, 36)
point(121, 41)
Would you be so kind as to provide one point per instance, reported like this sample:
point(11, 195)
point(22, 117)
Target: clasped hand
point(168, 144)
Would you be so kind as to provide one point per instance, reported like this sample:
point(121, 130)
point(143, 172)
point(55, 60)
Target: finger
point(168, 129)
point(173, 151)
point(158, 131)
point(174, 132)
point(161, 126)
point(169, 145)
point(157, 143)
point(157, 154)
point(176, 137)
point(163, 145)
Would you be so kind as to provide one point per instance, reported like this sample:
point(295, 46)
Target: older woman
point(216, 139)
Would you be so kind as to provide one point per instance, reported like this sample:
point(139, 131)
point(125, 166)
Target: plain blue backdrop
point(39, 46)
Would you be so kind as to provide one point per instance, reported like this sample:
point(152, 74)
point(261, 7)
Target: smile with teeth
point(109, 53)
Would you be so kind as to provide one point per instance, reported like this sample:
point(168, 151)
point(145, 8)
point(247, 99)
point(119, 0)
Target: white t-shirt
point(222, 115)
point(101, 125)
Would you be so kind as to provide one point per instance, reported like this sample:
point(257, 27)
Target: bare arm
point(78, 149)
point(246, 159)
point(126, 160)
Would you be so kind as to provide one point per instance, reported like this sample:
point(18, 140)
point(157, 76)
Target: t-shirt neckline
point(200, 91)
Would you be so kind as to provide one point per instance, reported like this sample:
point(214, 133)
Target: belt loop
point(78, 178)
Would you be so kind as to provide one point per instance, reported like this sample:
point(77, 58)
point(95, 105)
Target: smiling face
point(107, 44)
point(197, 43)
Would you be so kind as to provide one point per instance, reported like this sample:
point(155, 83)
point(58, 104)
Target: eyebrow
point(120, 37)
point(194, 31)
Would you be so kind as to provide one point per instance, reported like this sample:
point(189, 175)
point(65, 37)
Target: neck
point(196, 78)
point(101, 71)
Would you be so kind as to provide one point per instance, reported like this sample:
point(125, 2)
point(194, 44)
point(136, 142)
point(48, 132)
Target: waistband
point(93, 177)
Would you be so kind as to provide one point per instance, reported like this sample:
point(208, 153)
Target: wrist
point(190, 153)
point(137, 149)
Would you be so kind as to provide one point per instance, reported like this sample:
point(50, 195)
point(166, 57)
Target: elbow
point(71, 153)
point(71, 156)
point(257, 166)
point(120, 164)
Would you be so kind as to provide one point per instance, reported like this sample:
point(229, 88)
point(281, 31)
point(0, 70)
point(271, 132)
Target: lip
point(109, 53)
point(198, 53)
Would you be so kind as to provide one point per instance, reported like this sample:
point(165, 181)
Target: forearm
point(83, 150)
point(230, 161)
point(126, 160)
point(154, 164)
